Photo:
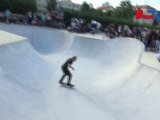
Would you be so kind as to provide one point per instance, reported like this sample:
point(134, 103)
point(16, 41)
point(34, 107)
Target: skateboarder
point(66, 72)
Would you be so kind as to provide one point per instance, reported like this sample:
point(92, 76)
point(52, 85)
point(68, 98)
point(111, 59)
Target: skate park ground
point(115, 79)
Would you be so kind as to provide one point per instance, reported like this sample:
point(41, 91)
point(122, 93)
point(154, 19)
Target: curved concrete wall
point(44, 40)
point(19, 62)
point(119, 57)
point(108, 77)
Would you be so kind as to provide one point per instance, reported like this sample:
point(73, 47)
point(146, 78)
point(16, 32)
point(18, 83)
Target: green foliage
point(101, 17)
point(85, 6)
point(18, 6)
point(125, 10)
point(93, 14)
point(126, 4)
point(51, 5)
point(4, 4)
point(106, 4)
point(110, 13)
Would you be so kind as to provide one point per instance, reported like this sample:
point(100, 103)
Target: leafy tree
point(125, 10)
point(85, 6)
point(51, 4)
point(4, 4)
point(18, 6)
point(101, 17)
point(110, 13)
point(106, 4)
point(22, 6)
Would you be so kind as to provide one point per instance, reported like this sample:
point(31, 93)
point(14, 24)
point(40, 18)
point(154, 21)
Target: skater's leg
point(62, 78)
point(69, 78)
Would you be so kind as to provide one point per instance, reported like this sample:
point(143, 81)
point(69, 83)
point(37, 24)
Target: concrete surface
point(111, 83)
point(8, 38)
point(149, 59)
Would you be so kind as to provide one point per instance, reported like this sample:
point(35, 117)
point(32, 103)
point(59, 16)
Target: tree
point(126, 4)
point(23, 6)
point(125, 10)
point(85, 6)
point(109, 13)
point(105, 4)
point(51, 5)
point(18, 6)
point(4, 4)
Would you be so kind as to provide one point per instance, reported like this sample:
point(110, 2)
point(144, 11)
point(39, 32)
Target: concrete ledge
point(8, 38)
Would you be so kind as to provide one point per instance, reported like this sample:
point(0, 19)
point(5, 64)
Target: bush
point(18, 6)
point(93, 15)
point(102, 18)
point(51, 5)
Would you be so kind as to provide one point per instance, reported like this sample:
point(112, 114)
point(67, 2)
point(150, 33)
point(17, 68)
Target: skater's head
point(74, 58)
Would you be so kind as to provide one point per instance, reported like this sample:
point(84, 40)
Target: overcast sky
point(97, 3)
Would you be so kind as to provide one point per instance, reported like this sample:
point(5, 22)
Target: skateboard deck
point(66, 85)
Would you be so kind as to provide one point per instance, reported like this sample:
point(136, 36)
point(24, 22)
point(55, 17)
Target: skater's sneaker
point(69, 84)
point(60, 82)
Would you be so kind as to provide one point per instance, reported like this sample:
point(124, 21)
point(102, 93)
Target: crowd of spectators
point(53, 18)
point(150, 37)
point(8, 17)
point(77, 25)
point(80, 25)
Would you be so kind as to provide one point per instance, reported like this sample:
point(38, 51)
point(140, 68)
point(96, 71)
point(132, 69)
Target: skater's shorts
point(66, 71)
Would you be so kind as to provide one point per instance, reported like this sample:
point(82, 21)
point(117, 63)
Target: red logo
point(139, 14)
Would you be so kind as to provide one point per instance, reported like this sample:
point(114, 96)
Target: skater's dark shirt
point(68, 62)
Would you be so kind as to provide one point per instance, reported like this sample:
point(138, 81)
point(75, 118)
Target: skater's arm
point(70, 66)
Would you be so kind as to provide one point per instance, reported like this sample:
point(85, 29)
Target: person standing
point(66, 72)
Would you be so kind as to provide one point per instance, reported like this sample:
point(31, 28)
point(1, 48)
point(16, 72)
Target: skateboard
point(66, 85)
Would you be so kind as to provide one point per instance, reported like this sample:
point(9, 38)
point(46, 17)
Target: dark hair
point(74, 57)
